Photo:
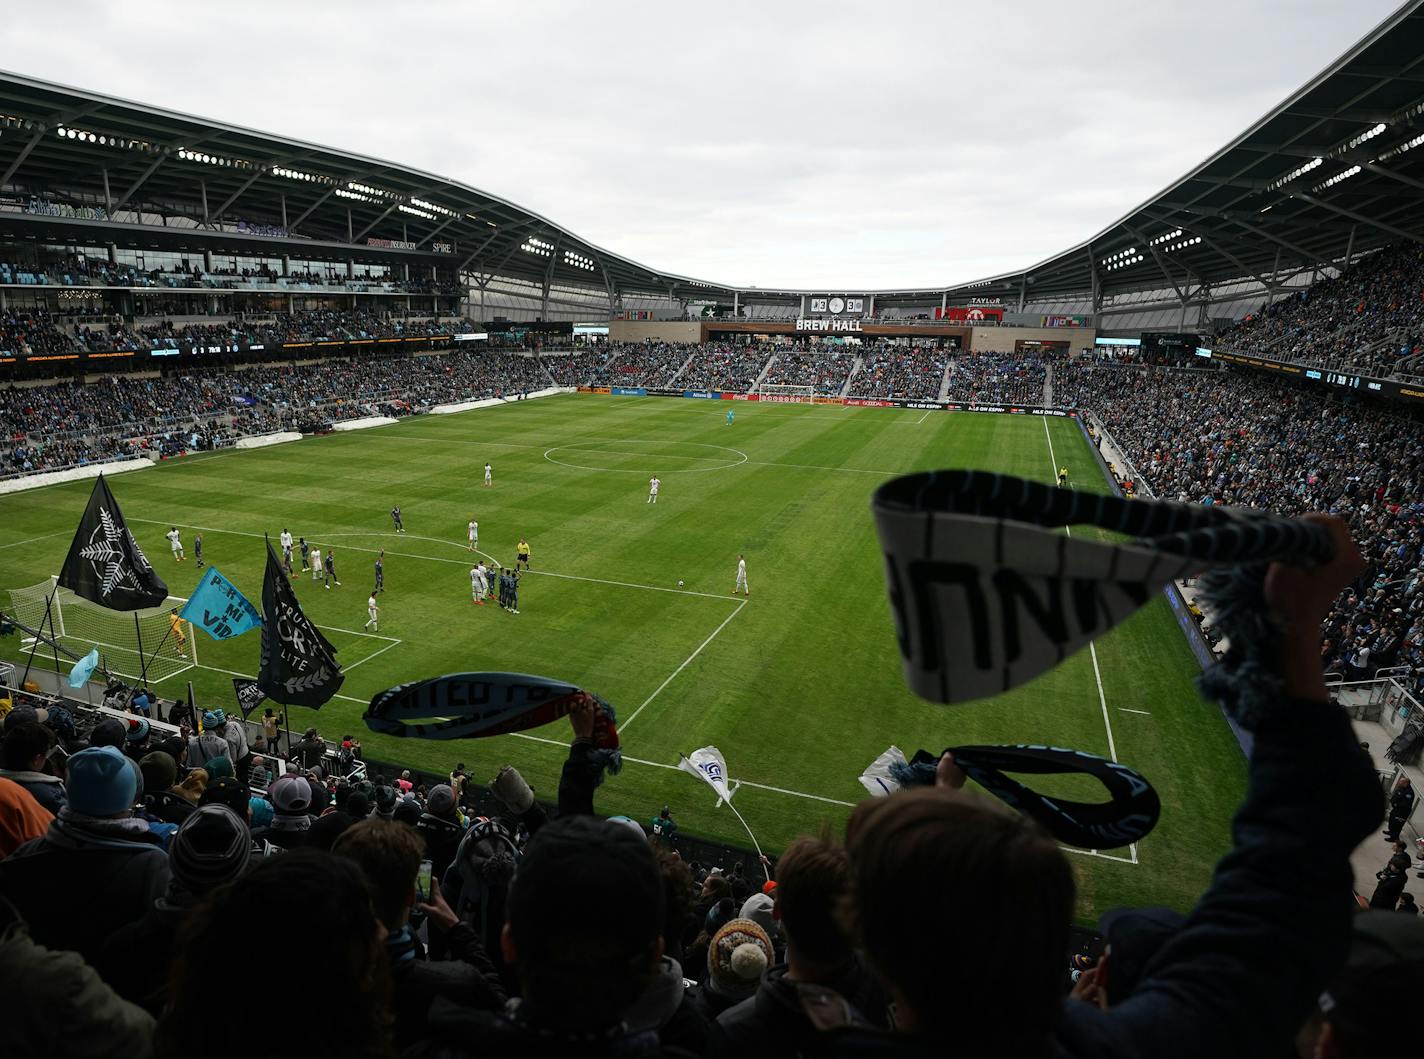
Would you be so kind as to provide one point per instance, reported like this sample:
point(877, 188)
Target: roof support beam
point(1413, 237)
point(124, 198)
point(34, 142)
point(236, 194)
point(381, 217)
point(435, 231)
point(308, 211)
point(1161, 265)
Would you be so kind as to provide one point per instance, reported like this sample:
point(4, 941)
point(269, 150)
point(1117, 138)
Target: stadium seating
point(910, 373)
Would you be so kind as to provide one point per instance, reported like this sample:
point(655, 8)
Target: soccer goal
point(787, 392)
point(80, 626)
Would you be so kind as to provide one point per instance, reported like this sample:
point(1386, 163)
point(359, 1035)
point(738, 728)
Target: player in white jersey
point(286, 541)
point(479, 584)
point(317, 572)
point(474, 534)
point(372, 610)
point(653, 483)
point(489, 475)
point(175, 542)
point(741, 577)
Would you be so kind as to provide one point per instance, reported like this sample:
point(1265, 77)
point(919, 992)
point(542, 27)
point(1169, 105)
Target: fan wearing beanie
point(441, 828)
point(738, 955)
point(51, 880)
point(212, 847)
point(161, 798)
point(291, 798)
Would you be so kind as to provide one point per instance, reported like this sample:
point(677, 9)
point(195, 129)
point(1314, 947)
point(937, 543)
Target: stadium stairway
point(854, 371)
point(944, 379)
point(677, 374)
point(761, 375)
point(1048, 386)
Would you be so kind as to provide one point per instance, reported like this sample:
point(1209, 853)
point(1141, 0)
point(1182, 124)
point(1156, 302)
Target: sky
point(830, 146)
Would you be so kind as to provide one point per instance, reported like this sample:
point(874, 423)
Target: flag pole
point(40, 637)
point(287, 724)
point(142, 662)
point(755, 845)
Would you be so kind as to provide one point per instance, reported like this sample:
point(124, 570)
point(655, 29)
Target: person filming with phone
point(392, 857)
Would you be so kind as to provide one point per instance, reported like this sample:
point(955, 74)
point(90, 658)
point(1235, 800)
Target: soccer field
point(799, 686)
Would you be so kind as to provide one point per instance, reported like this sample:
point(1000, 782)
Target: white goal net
point(79, 626)
point(786, 390)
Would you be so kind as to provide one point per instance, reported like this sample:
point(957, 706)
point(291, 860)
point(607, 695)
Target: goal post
point(80, 626)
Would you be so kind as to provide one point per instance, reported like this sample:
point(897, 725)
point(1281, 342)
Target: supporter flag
point(105, 564)
point(1129, 814)
point(299, 666)
point(249, 695)
point(987, 592)
point(708, 765)
point(79, 675)
point(193, 715)
point(219, 609)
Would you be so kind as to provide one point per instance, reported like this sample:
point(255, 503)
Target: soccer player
point(489, 475)
point(514, 592)
point(653, 484)
point(331, 568)
point(372, 610)
point(286, 540)
point(175, 542)
point(175, 626)
point(474, 534)
point(1062, 477)
point(380, 573)
point(478, 584)
point(521, 554)
point(729, 417)
point(198, 549)
point(306, 553)
point(741, 576)
point(396, 518)
point(316, 562)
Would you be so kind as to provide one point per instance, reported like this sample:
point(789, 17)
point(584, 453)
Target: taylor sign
point(828, 325)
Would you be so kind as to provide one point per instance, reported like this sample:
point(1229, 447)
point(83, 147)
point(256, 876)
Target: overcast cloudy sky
point(822, 145)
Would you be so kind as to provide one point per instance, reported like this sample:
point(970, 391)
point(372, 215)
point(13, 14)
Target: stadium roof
point(1337, 168)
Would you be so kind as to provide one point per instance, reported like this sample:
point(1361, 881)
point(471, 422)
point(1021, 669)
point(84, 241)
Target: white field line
point(463, 546)
point(685, 662)
point(362, 661)
point(1124, 709)
point(1092, 650)
point(924, 417)
point(31, 540)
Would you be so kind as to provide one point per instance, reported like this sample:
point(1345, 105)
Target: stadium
point(351, 513)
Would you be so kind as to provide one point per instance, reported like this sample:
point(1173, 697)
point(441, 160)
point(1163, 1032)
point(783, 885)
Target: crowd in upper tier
point(1369, 319)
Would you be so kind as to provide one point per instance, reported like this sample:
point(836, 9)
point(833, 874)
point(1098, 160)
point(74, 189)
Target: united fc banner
point(105, 565)
point(219, 609)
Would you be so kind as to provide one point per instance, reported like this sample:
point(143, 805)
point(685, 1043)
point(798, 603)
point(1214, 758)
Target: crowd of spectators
point(154, 886)
point(997, 378)
point(900, 372)
point(721, 366)
point(825, 373)
point(1219, 437)
point(1367, 319)
point(69, 424)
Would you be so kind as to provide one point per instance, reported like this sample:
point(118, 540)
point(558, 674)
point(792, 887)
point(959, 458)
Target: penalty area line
point(685, 662)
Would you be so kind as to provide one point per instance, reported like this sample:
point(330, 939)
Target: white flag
point(877, 778)
point(708, 765)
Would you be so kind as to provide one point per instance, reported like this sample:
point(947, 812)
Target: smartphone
point(422, 881)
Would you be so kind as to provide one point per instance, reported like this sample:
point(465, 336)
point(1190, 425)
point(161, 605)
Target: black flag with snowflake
point(105, 564)
point(299, 666)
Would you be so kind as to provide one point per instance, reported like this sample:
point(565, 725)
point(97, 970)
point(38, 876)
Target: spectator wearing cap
point(23, 753)
point(441, 828)
point(737, 956)
point(291, 800)
point(136, 738)
point(578, 972)
point(403, 782)
point(389, 854)
point(821, 961)
point(208, 745)
point(110, 731)
point(258, 774)
point(344, 977)
point(21, 817)
point(161, 799)
point(309, 752)
point(235, 734)
point(407, 812)
point(212, 847)
point(1358, 1015)
point(94, 842)
point(385, 797)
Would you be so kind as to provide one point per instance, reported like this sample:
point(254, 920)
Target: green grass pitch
point(799, 686)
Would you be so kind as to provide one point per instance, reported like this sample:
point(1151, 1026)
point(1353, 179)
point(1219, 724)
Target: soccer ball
point(679, 584)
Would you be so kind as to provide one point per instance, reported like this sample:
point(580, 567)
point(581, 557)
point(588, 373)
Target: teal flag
point(219, 609)
point(79, 675)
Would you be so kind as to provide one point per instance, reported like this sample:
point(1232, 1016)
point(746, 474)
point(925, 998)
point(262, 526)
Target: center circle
point(627, 456)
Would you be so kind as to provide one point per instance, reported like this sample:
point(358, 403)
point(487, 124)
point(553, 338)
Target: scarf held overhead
point(987, 592)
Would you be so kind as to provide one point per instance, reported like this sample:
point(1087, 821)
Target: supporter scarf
point(1131, 812)
point(987, 594)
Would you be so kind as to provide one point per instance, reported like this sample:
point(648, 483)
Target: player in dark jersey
point(396, 518)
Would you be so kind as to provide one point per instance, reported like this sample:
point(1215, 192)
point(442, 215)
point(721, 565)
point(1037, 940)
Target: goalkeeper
point(175, 629)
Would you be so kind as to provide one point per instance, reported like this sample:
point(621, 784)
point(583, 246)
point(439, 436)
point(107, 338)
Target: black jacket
point(1246, 968)
point(442, 839)
point(467, 978)
point(1401, 802)
point(774, 1021)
